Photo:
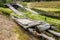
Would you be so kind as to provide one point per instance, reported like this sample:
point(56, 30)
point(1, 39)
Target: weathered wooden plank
point(54, 33)
point(47, 37)
point(40, 34)
point(27, 9)
point(14, 10)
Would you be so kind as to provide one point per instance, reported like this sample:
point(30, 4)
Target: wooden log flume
point(27, 24)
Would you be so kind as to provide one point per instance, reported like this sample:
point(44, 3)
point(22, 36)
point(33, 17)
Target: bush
point(2, 2)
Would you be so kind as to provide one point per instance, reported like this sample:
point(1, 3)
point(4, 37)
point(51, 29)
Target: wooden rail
point(13, 9)
point(27, 9)
point(52, 32)
point(20, 14)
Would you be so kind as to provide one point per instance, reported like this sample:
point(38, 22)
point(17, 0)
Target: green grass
point(8, 12)
point(48, 9)
point(5, 10)
point(23, 3)
point(52, 13)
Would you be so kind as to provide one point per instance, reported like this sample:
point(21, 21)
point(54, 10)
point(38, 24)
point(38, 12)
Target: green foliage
point(23, 3)
point(8, 1)
point(1, 3)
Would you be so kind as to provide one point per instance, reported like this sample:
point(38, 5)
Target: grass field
point(48, 9)
point(51, 8)
point(52, 13)
point(50, 4)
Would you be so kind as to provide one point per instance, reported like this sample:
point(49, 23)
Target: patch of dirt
point(9, 30)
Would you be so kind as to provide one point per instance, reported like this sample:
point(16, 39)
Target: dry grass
point(55, 4)
point(9, 30)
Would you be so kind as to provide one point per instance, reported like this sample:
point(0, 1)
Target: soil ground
point(9, 30)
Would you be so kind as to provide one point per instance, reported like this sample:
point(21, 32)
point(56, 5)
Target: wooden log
point(14, 10)
point(27, 9)
point(54, 33)
point(47, 37)
point(40, 34)
point(20, 14)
